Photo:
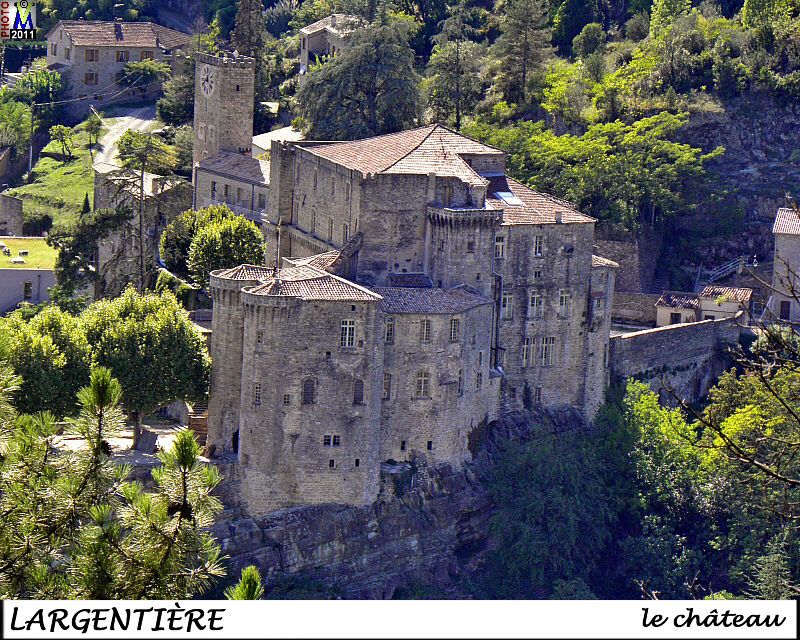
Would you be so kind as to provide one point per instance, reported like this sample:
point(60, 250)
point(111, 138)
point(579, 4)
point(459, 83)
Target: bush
point(590, 40)
point(224, 244)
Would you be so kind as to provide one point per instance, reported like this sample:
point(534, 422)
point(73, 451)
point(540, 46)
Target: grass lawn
point(59, 183)
point(40, 254)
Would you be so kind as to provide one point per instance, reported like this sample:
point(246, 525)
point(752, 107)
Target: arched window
point(309, 391)
point(358, 392)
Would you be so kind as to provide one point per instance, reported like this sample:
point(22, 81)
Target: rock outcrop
point(428, 527)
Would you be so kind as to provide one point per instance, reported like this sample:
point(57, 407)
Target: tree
point(15, 132)
point(86, 207)
point(571, 17)
point(522, 46)
point(250, 31)
point(249, 587)
point(73, 527)
point(224, 244)
point(51, 355)
point(144, 152)
point(176, 241)
point(65, 137)
point(184, 147)
point(368, 89)
point(590, 40)
point(144, 73)
point(134, 334)
point(94, 125)
point(176, 106)
point(665, 12)
point(42, 89)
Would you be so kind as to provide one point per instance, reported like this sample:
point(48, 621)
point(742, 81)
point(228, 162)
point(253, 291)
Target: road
point(136, 118)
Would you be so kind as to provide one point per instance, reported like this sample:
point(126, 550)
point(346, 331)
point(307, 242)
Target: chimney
point(559, 217)
point(333, 20)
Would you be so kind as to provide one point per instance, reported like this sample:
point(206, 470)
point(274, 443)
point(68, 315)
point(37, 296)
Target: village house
point(325, 37)
point(784, 303)
point(90, 55)
point(26, 271)
point(711, 303)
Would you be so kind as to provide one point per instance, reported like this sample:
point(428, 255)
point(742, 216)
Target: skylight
point(509, 198)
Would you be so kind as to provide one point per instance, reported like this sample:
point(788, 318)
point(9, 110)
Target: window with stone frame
point(547, 351)
point(478, 381)
point(387, 386)
point(90, 78)
point(535, 305)
point(257, 394)
point(309, 394)
point(144, 54)
point(345, 233)
point(460, 382)
point(507, 306)
point(527, 352)
point(564, 303)
point(422, 385)
point(91, 55)
point(347, 337)
point(537, 395)
point(389, 333)
point(358, 392)
point(425, 330)
point(123, 56)
point(330, 229)
point(500, 247)
point(538, 246)
point(455, 329)
point(287, 399)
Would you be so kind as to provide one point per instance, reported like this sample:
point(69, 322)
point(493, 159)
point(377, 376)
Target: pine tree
point(522, 46)
point(250, 30)
point(249, 587)
point(86, 208)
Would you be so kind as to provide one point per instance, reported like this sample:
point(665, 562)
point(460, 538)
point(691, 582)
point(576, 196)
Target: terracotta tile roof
point(600, 261)
point(433, 148)
point(339, 23)
point(285, 134)
point(787, 221)
point(98, 33)
point(310, 283)
point(678, 300)
point(532, 207)
point(737, 294)
point(405, 280)
point(245, 272)
point(320, 260)
point(237, 166)
point(429, 301)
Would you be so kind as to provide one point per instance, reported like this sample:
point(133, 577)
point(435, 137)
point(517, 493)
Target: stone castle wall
point(635, 308)
point(10, 216)
point(687, 358)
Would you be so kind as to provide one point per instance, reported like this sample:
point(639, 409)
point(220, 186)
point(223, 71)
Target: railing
point(451, 215)
point(720, 272)
point(255, 215)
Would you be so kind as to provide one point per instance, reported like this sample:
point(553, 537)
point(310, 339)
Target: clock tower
point(223, 104)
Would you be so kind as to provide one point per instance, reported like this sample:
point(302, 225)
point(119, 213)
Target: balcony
point(452, 216)
point(258, 216)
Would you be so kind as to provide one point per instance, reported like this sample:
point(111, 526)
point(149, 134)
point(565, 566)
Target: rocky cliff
point(429, 526)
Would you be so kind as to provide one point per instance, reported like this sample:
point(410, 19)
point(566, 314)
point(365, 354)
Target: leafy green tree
point(227, 243)
point(51, 355)
point(176, 241)
point(571, 17)
point(368, 89)
point(144, 73)
point(176, 106)
point(42, 89)
point(590, 40)
point(94, 125)
point(15, 118)
point(522, 47)
point(73, 527)
point(151, 346)
point(250, 31)
point(65, 137)
point(144, 153)
point(249, 587)
point(665, 12)
point(453, 85)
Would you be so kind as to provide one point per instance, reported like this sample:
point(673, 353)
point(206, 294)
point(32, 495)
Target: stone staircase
point(198, 421)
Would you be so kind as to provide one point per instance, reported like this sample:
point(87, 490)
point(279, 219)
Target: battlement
point(448, 216)
point(225, 59)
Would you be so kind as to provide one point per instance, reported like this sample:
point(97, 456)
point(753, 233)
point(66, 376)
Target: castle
point(413, 293)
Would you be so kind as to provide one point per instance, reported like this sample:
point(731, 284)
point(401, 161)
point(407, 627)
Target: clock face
point(207, 80)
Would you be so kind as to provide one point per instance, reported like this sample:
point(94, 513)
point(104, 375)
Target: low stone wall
point(684, 359)
point(634, 308)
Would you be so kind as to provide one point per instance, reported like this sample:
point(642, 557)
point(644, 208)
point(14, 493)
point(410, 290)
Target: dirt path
point(136, 118)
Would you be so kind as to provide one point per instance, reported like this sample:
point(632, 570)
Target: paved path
point(136, 118)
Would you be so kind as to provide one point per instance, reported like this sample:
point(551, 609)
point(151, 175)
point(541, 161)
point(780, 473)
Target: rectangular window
point(460, 382)
point(537, 274)
point(564, 303)
point(480, 358)
point(145, 55)
point(358, 392)
point(537, 395)
point(122, 56)
point(507, 306)
point(257, 394)
point(348, 334)
point(259, 337)
point(425, 331)
point(430, 445)
point(287, 399)
point(53, 49)
point(527, 352)
point(479, 381)
point(262, 201)
point(422, 388)
point(535, 306)
point(402, 445)
point(213, 188)
point(471, 245)
point(345, 233)
point(326, 441)
point(90, 55)
point(27, 290)
point(330, 229)
point(389, 335)
point(600, 306)
point(239, 194)
point(67, 53)
point(337, 441)
point(333, 186)
point(90, 78)
point(331, 464)
point(357, 462)
point(309, 392)
point(499, 247)
point(387, 386)
point(226, 190)
point(347, 191)
point(538, 245)
point(512, 393)
point(455, 329)
point(315, 181)
point(675, 318)
point(547, 351)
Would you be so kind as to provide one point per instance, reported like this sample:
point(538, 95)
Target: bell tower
point(224, 87)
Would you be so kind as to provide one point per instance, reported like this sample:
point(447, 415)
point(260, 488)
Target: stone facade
point(421, 293)
point(784, 303)
point(325, 37)
point(10, 215)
